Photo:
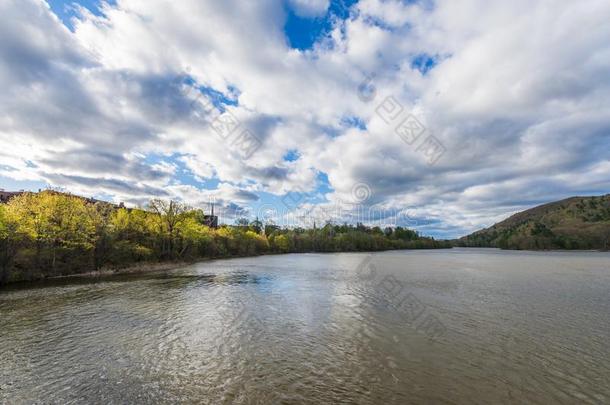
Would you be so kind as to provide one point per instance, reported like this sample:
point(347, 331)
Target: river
point(444, 326)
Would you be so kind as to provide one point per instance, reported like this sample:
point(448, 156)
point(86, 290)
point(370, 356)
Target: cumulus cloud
point(127, 104)
point(310, 8)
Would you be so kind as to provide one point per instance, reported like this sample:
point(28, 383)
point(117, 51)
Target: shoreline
point(107, 272)
point(152, 267)
point(533, 250)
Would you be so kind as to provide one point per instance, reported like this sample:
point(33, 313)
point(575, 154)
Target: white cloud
point(519, 98)
point(310, 8)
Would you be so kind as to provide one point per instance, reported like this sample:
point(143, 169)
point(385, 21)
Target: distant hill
point(573, 223)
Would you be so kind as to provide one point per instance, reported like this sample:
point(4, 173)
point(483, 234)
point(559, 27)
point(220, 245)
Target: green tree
point(170, 215)
point(281, 244)
point(256, 226)
point(8, 243)
point(54, 222)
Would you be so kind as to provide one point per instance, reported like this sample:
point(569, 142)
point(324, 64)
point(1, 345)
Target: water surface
point(452, 326)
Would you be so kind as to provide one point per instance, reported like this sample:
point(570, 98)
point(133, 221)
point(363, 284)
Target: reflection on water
point(518, 327)
point(169, 280)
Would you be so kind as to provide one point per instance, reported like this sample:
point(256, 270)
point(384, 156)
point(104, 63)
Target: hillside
point(573, 223)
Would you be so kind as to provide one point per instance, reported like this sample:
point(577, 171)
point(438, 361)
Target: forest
point(575, 223)
point(49, 234)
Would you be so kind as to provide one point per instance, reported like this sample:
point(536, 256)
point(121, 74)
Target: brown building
point(211, 220)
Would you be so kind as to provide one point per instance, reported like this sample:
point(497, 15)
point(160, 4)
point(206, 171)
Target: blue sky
point(303, 32)
point(440, 116)
point(66, 10)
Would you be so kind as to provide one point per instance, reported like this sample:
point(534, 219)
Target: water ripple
point(309, 329)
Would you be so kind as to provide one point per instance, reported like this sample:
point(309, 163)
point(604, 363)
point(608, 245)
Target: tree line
point(50, 234)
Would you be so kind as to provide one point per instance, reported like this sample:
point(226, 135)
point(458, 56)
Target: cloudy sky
point(444, 116)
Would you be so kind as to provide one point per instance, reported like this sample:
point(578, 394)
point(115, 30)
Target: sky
point(442, 116)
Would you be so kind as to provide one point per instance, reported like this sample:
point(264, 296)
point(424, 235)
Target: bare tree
point(171, 214)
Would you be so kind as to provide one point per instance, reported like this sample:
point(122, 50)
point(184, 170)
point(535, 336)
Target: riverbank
point(50, 234)
point(133, 269)
point(153, 267)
